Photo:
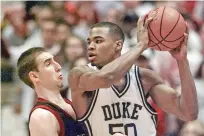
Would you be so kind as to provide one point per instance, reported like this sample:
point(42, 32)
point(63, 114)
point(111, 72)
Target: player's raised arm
point(43, 123)
point(85, 78)
point(184, 105)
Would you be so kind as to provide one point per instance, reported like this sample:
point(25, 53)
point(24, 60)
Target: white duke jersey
point(125, 111)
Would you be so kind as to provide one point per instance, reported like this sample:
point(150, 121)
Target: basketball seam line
point(171, 31)
point(163, 38)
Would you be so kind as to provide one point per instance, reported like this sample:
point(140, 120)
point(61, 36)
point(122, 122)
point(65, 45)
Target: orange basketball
point(166, 31)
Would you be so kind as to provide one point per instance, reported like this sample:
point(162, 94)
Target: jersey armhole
point(57, 116)
point(148, 107)
point(90, 107)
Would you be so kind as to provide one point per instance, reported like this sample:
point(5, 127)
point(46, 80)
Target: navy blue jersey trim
point(126, 87)
point(148, 107)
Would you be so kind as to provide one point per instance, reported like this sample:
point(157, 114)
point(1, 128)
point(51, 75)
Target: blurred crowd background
point(62, 29)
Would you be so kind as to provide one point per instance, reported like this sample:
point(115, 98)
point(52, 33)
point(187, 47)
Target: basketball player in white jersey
point(109, 94)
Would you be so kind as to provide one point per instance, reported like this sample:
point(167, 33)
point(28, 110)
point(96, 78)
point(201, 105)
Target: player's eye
point(48, 63)
point(98, 41)
point(88, 42)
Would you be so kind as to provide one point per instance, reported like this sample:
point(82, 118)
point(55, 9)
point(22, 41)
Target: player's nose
point(58, 66)
point(91, 46)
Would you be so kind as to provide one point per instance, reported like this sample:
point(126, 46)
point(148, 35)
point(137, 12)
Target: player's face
point(49, 33)
point(74, 49)
point(100, 47)
point(49, 74)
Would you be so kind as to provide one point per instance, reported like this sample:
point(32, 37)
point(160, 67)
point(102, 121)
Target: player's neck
point(114, 57)
point(53, 96)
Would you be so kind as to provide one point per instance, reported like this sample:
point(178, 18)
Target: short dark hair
point(27, 63)
point(113, 29)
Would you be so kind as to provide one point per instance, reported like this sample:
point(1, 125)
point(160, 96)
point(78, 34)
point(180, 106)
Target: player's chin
point(60, 85)
point(93, 64)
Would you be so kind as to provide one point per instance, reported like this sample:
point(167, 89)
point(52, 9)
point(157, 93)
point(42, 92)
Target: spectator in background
point(103, 6)
point(66, 92)
point(115, 15)
point(43, 13)
point(49, 37)
point(16, 30)
point(74, 48)
point(87, 16)
point(74, 55)
point(63, 32)
point(40, 13)
point(58, 8)
point(87, 12)
point(71, 15)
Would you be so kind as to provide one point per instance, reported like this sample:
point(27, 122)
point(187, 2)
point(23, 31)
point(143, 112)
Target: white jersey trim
point(142, 91)
point(88, 126)
point(142, 94)
point(92, 104)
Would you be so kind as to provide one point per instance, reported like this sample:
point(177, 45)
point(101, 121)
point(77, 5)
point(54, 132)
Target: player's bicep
point(43, 123)
point(87, 79)
point(167, 99)
point(164, 96)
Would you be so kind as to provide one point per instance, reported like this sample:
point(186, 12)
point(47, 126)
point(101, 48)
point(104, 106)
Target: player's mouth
point(91, 56)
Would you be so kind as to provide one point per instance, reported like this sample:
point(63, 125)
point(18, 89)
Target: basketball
point(166, 31)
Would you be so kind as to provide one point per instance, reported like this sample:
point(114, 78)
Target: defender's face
point(49, 74)
point(100, 47)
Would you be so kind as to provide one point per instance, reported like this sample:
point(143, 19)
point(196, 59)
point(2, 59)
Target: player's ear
point(33, 76)
point(119, 45)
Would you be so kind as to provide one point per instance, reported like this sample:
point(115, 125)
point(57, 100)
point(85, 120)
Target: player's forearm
point(117, 69)
point(188, 99)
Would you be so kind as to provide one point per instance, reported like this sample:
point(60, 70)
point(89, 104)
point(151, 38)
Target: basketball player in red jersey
point(100, 94)
point(52, 115)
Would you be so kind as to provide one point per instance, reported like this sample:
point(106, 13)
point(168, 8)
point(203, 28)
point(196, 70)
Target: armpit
point(149, 79)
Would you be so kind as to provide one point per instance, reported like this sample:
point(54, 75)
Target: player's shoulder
point(40, 115)
point(150, 76)
point(43, 122)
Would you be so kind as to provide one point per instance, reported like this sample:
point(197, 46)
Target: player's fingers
point(139, 22)
point(185, 38)
point(149, 18)
point(187, 28)
point(147, 21)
